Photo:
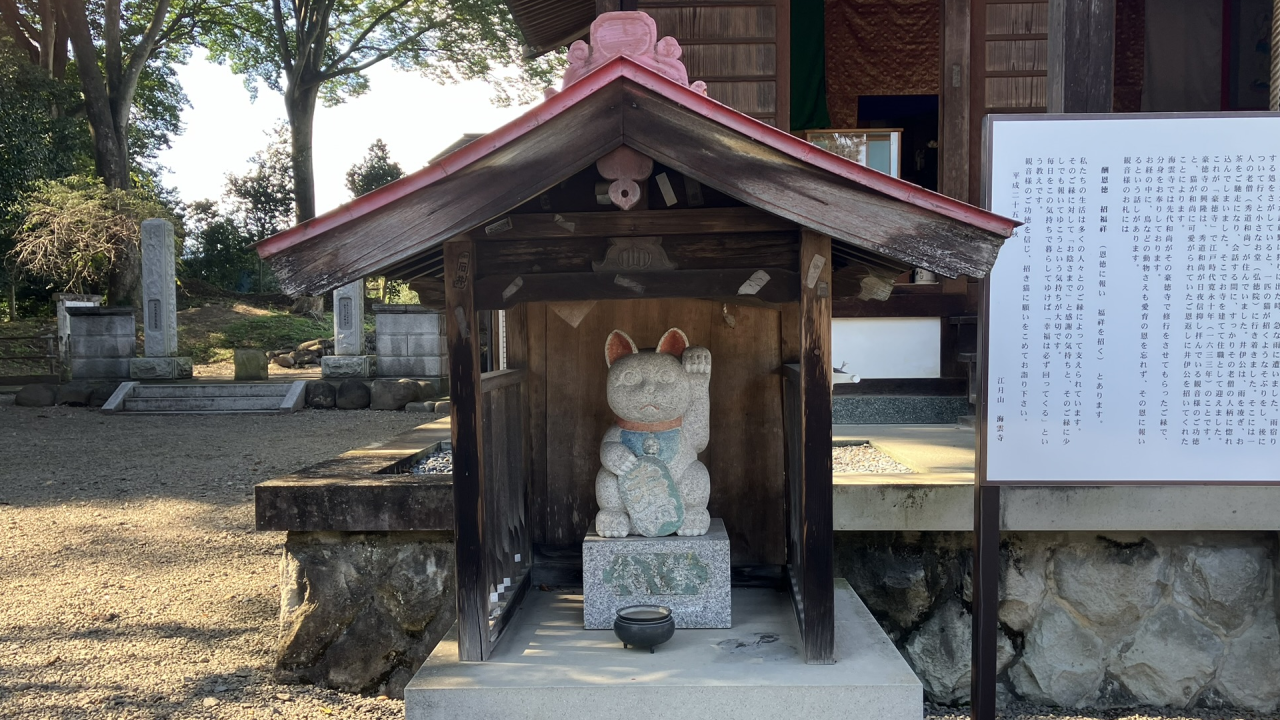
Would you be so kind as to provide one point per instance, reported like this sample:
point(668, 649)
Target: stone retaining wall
point(1088, 620)
point(360, 612)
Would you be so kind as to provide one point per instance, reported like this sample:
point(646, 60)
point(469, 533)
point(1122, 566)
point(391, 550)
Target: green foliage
point(268, 332)
point(36, 141)
point(217, 252)
point(276, 332)
point(76, 230)
point(263, 197)
point(374, 171)
point(445, 40)
point(398, 293)
point(256, 205)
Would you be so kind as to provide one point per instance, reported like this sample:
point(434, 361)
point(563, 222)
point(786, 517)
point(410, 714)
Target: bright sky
point(415, 117)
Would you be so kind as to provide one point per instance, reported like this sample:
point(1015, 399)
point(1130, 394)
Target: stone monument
point(62, 301)
point(101, 342)
point(652, 484)
point(349, 358)
point(411, 343)
point(159, 308)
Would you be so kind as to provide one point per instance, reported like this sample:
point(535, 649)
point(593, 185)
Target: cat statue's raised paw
point(651, 482)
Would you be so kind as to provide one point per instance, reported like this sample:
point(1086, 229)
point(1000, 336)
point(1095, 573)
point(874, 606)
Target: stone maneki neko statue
point(651, 482)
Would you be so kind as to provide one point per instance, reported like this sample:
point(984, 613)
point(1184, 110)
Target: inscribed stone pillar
point(159, 290)
point(348, 319)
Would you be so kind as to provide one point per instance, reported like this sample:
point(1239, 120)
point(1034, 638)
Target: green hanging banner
point(808, 66)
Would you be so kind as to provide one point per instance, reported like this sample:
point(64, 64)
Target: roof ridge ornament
point(634, 34)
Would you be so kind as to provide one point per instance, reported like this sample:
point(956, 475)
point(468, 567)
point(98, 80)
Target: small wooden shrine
point(629, 199)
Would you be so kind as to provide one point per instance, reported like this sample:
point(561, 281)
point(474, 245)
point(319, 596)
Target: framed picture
point(877, 148)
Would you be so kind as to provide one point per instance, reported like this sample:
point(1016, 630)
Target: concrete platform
point(939, 495)
point(548, 666)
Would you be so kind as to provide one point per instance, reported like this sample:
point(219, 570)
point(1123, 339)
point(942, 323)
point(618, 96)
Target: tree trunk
point(301, 106)
point(124, 283)
point(110, 156)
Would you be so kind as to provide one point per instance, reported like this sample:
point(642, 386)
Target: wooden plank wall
point(508, 553)
point(569, 415)
point(1008, 70)
point(740, 48)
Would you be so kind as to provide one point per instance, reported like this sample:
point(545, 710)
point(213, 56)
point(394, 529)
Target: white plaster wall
point(888, 347)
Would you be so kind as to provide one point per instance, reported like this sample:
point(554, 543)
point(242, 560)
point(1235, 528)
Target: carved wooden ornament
point(637, 254)
point(635, 35)
point(626, 168)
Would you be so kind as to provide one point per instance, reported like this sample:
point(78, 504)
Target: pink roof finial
point(635, 35)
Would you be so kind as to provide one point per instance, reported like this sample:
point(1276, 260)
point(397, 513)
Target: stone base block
point(393, 366)
point(160, 368)
point(113, 368)
point(348, 366)
point(690, 575)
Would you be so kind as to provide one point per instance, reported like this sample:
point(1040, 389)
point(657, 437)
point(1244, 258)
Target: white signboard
point(1134, 330)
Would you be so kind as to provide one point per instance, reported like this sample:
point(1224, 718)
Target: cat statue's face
point(650, 385)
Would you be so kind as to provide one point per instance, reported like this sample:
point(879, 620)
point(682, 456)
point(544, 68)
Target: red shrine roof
point(588, 78)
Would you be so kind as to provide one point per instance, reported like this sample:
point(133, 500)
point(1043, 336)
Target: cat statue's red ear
point(618, 345)
point(673, 342)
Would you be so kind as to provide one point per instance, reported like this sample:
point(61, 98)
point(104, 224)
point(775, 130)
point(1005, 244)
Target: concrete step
point(133, 397)
point(170, 404)
point(276, 390)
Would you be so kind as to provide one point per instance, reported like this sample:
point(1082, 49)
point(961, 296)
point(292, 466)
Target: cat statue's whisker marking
point(651, 482)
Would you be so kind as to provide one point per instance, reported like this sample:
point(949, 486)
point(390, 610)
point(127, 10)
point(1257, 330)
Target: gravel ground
point(134, 583)
point(1021, 711)
point(436, 463)
point(864, 459)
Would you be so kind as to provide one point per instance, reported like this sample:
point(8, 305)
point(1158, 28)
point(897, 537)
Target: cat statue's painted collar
point(652, 427)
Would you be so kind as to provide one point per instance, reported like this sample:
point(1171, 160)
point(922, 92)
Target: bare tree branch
point(277, 16)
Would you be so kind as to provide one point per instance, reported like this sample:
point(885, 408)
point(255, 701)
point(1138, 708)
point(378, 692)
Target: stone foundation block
point(391, 366)
point(361, 611)
point(690, 575)
point(113, 368)
point(348, 366)
point(160, 368)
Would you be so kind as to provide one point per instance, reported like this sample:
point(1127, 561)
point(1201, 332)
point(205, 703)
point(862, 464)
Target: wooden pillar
point(1081, 55)
point(815, 469)
point(468, 449)
point(986, 601)
point(954, 116)
point(1274, 101)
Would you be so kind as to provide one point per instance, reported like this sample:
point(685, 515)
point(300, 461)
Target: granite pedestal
point(348, 366)
point(690, 575)
point(160, 368)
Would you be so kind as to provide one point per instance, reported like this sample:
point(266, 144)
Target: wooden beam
point(716, 251)
point(425, 265)
point(635, 223)
point(485, 188)
point(1081, 55)
point(498, 379)
point(954, 111)
point(468, 448)
point(805, 194)
point(769, 285)
point(816, 492)
point(846, 305)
